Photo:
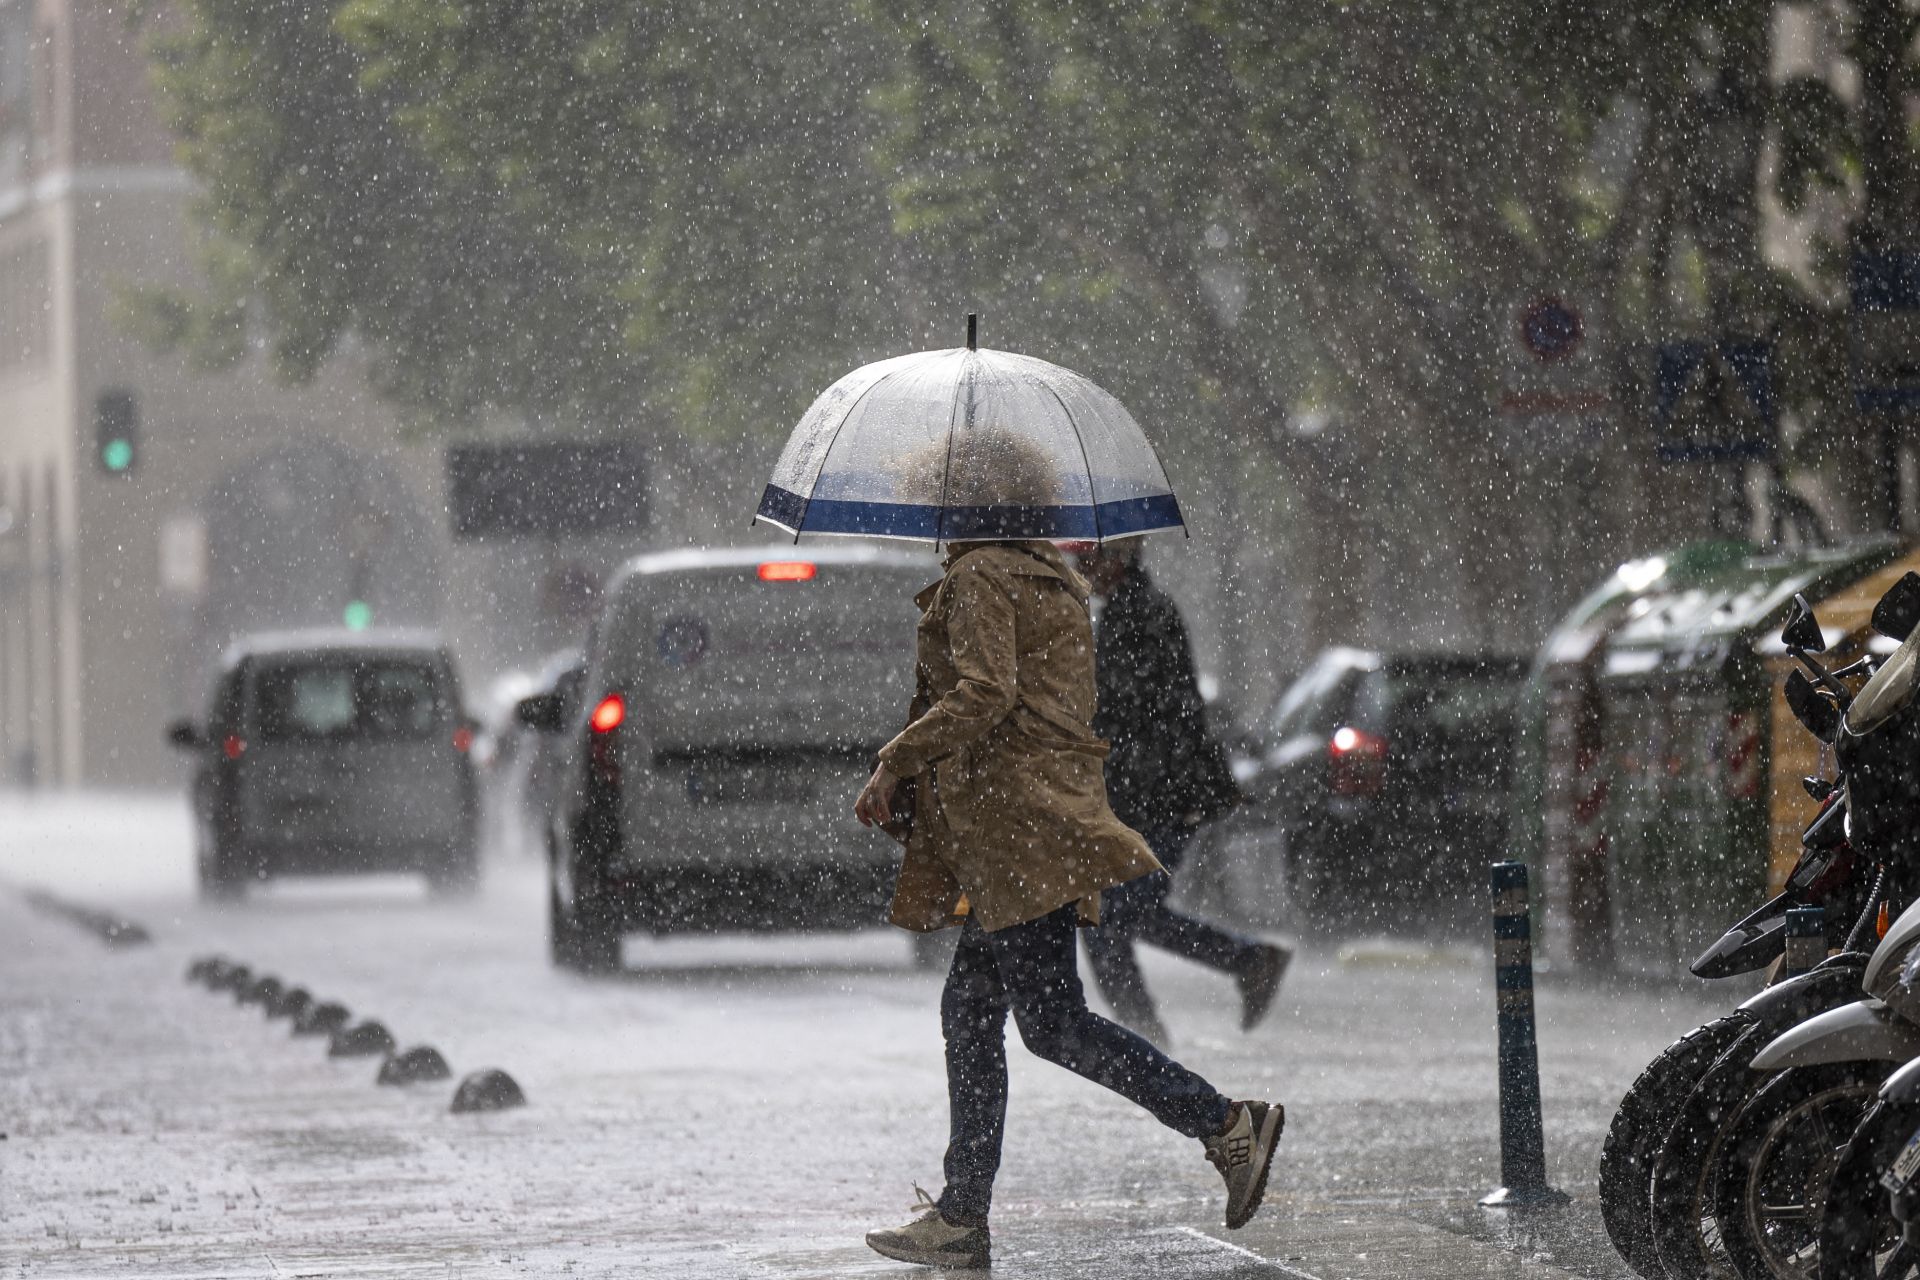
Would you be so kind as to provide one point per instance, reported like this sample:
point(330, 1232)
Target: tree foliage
point(602, 209)
point(606, 213)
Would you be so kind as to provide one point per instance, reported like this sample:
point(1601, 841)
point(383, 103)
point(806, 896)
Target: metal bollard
point(1806, 940)
point(1523, 1157)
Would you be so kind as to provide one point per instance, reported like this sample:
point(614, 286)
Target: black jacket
point(1165, 767)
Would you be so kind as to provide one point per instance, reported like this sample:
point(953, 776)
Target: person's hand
point(874, 807)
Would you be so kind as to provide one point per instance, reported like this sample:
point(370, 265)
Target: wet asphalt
point(732, 1106)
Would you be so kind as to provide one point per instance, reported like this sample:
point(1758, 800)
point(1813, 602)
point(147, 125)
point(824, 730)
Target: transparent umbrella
point(947, 446)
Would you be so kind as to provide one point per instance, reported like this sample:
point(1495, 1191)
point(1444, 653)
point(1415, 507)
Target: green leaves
point(690, 215)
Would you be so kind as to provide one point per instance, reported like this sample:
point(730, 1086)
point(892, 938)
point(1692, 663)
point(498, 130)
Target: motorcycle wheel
point(1858, 1234)
point(1684, 1230)
point(1777, 1164)
point(1645, 1117)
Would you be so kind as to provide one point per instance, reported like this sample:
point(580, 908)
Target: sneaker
point(1243, 1154)
point(932, 1241)
point(1260, 982)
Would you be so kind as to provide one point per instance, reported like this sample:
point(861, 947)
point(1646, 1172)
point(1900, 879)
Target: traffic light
point(116, 431)
point(357, 616)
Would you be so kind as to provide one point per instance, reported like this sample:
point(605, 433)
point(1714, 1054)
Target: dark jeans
point(1138, 911)
point(1029, 968)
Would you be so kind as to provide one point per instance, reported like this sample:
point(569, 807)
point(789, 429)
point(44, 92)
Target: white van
point(731, 708)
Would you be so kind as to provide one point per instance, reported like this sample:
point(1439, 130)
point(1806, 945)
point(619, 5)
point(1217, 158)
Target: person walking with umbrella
point(996, 781)
point(1166, 776)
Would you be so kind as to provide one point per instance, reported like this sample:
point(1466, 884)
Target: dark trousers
point(1029, 968)
point(1138, 911)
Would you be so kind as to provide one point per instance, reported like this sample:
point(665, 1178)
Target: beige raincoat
point(1012, 800)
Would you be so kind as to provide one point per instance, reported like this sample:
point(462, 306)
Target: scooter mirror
point(1802, 631)
point(1899, 610)
point(1817, 713)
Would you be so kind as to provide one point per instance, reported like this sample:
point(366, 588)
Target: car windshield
point(381, 699)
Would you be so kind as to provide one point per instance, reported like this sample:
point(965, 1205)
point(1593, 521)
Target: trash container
point(1658, 791)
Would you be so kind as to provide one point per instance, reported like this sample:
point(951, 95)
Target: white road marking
point(1294, 1272)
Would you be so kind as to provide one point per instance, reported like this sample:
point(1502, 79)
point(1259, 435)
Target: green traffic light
point(117, 454)
point(358, 615)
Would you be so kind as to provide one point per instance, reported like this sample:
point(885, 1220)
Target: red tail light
point(788, 571)
point(610, 714)
point(462, 738)
point(1359, 762)
point(233, 746)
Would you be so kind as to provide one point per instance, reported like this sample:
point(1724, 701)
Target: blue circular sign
point(1551, 329)
point(683, 641)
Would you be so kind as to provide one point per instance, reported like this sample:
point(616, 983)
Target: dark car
point(1381, 778)
point(331, 753)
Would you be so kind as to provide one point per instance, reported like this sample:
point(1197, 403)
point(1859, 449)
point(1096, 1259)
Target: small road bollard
point(1806, 940)
point(1523, 1156)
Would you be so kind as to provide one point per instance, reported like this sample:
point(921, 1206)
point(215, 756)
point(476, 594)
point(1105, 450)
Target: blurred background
point(431, 312)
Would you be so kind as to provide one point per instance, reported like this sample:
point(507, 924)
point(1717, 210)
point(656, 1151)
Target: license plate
point(1897, 1178)
point(747, 785)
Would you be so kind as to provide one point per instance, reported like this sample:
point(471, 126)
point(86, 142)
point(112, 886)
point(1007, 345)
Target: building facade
point(147, 512)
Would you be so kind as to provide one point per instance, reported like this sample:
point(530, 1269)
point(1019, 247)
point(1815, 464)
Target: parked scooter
point(1656, 1165)
point(1750, 1191)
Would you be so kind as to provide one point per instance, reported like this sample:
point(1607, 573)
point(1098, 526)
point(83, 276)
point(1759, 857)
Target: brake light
point(1359, 762)
point(609, 715)
point(788, 571)
point(462, 738)
point(233, 746)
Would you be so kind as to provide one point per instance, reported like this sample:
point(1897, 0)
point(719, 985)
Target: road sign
point(1555, 389)
point(1884, 336)
point(543, 488)
point(1551, 328)
point(183, 555)
point(1713, 402)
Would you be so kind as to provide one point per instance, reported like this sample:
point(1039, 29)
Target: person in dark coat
point(1166, 776)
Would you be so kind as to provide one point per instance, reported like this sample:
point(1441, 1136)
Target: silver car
point(333, 752)
point(730, 709)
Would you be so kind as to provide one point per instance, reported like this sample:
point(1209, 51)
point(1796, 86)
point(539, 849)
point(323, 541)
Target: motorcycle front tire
point(1646, 1115)
point(1776, 1166)
point(1858, 1231)
point(1684, 1230)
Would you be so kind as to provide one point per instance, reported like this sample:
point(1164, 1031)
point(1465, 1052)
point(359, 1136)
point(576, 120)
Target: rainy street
point(727, 1106)
point(595, 595)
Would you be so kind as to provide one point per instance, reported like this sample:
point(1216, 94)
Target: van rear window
point(380, 700)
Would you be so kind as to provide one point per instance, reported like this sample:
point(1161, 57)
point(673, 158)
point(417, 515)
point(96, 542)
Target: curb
point(489, 1089)
point(116, 931)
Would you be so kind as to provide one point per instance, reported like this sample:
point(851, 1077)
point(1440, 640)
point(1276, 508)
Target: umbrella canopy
point(948, 446)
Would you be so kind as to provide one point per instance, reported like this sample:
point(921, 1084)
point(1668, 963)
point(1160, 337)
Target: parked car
point(333, 752)
point(731, 707)
point(1381, 777)
point(525, 763)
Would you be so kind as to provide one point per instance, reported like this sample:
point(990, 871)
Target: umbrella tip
point(973, 330)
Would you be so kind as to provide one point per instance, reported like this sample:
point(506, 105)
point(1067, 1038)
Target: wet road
point(728, 1107)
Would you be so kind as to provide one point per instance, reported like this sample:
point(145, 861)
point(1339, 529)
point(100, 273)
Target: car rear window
point(1453, 722)
point(1315, 702)
point(728, 659)
point(382, 699)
